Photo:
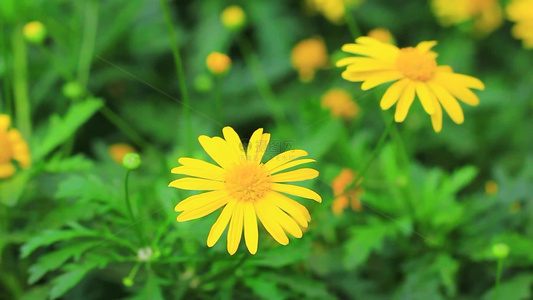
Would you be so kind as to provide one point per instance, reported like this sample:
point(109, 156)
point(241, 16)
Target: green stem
point(123, 126)
point(218, 99)
point(130, 210)
point(181, 75)
point(20, 84)
point(373, 155)
point(350, 21)
point(7, 63)
point(88, 43)
point(261, 82)
point(498, 276)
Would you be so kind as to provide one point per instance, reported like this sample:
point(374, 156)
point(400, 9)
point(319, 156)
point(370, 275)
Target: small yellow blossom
point(381, 34)
point(12, 147)
point(308, 56)
point(233, 17)
point(340, 103)
point(246, 189)
point(486, 14)
point(491, 188)
point(34, 32)
point(218, 63)
point(521, 12)
point(119, 150)
point(333, 10)
point(349, 197)
point(415, 72)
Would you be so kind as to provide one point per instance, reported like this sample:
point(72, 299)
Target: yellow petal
point(295, 175)
point(296, 191)
point(436, 118)
point(218, 175)
point(257, 145)
point(197, 184)
point(353, 60)
point(204, 210)
point(6, 170)
point(250, 227)
point(283, 158)
point(460, 91)
point(270, 223)
point(221, 223)
point(450, 104)
point(199, 200)
point(219, 150)
point(393, 93)
point(235, 228)
point(426, 97)
point(426, 45)
point(234, 142)
point(370, 65)
point(383, 77)
point(459, 80)
point(372, 42)
point(406, 99)
point(5, 120)
point(286, 222)
point(291, 164)
point(293, 208)
point(371, 51)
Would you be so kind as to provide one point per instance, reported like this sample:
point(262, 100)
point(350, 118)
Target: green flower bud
point(131, 161)
point(127, 281)
point(203, 83)
point(500, 251)
point(72, 90)
point(34, 32)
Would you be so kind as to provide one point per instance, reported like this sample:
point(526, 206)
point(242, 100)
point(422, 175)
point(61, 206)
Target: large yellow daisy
point(415, 72)
point(246, 188)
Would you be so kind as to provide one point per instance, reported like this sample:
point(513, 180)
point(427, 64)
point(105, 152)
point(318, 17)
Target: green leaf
point(151, 290)
point(283, 256)
point(460, 179)
point(12, 188)
point(56, 259)
point(364, 240)
point(74, 274)
point(86, 187)
point(75, 163)
point(265, 289)
point(322, 139)
point(516, 288)
point(51, 236)
point(61, 129)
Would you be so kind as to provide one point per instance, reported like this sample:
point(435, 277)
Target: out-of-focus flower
point(119, 150)
point(218, 63)
point(12, 147)
point(349, 197)
point(34, 32)
point(340, 103)
point(500, 250)
point(308, 56)
point(233, 17)
point(486, 14)
point(72, 90)
point(521, 12)
point(381, 34)
point(333, 10)
point(415, 72)
point(515, 207)
point(491, 188)
point(246, 188)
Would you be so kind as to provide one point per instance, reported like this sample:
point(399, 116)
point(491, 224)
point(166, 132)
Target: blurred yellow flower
point(246, 188)
point(119, 150)
point(233, 17)
point(333, 10)
point(344, 198)
point(340, 103)
point(218, 63)
point(415, 72)
point(12, 147)
point(521, 12)
point(381, 34)
point(486, 14)
point(491, 188)
point(308, 56)
point(34, 32)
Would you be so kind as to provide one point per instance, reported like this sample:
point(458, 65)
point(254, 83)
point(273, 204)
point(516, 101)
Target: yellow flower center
point(247, 181)
point(415, 64)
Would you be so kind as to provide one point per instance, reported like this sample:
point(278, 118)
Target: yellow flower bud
point(34, 32)
point(218, 63)
point(118, 151)
point(233, 17)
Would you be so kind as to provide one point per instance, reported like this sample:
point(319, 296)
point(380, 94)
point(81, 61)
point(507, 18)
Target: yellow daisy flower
point(486, 14)
point(12, 147)
point(246, 188)
point(414, 71)
point(521, 12)
point(340, 103)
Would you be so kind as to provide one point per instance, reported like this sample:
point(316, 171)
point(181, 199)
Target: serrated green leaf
point(61, 129)
point(74, 274)
point(265, 289)
point(363, 241)
point(56, 259)
point(283, 256)
point(49, 237)
point(86, 187)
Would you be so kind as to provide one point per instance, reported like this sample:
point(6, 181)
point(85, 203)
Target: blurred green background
point(433, 204)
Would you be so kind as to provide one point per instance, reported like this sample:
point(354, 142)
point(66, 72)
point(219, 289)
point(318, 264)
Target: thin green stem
point(261, 82)
point(218, 99)
point(130, 210)
point(20, 83)
point(123, 126)
point(88, 43)
point(6, 106)
point(181, 75)
point(350, 21)
point(498, 276)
